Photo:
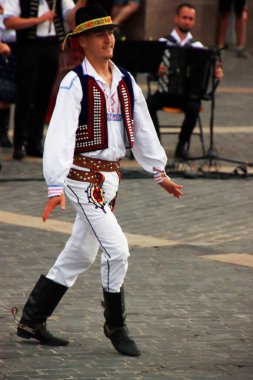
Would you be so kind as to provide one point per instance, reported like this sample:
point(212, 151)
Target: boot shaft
point(115, 313)
point(42, 301)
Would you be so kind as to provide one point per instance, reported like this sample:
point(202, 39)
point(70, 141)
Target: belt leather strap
point(96, 164)
point(92, 177)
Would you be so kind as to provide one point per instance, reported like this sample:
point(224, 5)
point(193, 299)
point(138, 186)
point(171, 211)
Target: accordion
point(190, 71)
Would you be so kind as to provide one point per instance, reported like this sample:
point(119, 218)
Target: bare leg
point(239, 27)
point(223, 27)
point(121, 13)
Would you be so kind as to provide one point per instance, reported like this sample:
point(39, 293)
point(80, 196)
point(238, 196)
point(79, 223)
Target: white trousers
point(94, 227)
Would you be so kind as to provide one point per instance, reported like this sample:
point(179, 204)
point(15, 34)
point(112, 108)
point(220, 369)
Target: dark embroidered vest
point(92, 131)
point(30, 9)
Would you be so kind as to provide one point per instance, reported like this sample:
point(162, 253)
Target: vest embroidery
point(93, 134)
point(92, 131)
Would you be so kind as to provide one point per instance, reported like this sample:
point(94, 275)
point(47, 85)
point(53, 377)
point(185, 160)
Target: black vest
point(29, 8)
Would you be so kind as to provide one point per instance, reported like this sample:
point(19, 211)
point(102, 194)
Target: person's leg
point(240, 28)
point(39, 306)
point(79, 253)
point(155, 103)
point(26, 73)
point(4, 125)
point(122, 10)
point(114, 263)
point(191, 109)
point(114, 266)
point(47, 71)
point(109, 236)
point(224, 12)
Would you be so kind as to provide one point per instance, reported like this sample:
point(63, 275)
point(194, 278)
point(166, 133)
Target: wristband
point(159, 177)
point(54, 191)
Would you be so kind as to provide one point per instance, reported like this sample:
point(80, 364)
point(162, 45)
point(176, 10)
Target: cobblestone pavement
point(189, 284)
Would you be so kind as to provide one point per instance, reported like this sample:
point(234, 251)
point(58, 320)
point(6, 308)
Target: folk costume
point(92, 126)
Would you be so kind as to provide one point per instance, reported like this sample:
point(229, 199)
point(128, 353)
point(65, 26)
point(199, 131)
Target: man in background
point(181, 36)
point(40, 30)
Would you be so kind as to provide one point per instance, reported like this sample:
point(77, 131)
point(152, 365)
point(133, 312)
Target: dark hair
point(182, 5)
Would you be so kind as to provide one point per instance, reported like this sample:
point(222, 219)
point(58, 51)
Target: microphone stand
point(211, 155)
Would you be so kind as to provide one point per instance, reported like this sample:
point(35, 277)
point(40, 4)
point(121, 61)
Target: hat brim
point(96, 28)
point(102, 27)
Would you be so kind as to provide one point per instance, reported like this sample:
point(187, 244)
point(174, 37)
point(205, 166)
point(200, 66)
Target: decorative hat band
point(102, 21)
point(92, 24)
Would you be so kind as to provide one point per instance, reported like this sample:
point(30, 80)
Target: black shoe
point(19, 153)
point(34, 151)
point(121, 340)
point(40, 333)
point(181, 152)
point(5, 142)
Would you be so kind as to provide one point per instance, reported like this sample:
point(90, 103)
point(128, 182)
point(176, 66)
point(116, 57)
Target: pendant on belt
point(95, 195)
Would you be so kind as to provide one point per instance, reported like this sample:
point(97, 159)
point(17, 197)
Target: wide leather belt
point(96, 164)
point(92, 177)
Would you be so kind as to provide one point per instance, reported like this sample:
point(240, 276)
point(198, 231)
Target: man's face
point(185, 20)
point(98, 44)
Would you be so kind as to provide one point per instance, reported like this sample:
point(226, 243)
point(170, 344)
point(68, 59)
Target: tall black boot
point(4, 127)
point(40, 305)
point(115, 328)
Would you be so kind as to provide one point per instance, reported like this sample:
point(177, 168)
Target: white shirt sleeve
point(147, 149)
point(60, 139)
point(11, 8)
point(67, 5)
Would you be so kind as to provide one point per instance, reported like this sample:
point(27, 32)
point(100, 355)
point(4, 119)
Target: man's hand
point(47, 16)
point(219, 71)
point(162, 70)
point(51, 204)
point(5, 49)
point(171, 187)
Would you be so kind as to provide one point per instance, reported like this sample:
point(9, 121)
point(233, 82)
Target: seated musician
point(180, 36)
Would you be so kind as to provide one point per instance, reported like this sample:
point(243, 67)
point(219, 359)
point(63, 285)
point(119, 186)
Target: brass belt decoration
point(96, 179)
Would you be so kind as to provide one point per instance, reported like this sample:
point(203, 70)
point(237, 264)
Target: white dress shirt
point(60, 139)
point(6, 35)
point(12, 8)
point(195, 44)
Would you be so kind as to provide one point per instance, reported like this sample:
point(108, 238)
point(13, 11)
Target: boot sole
point(26, 335)
point(136, 354)
point(126, 353)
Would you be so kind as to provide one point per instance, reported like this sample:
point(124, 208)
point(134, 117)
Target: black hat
point(91, 18)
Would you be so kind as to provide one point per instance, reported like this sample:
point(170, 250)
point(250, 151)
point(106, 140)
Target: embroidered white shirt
point(60, 139)
point(195, 44)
